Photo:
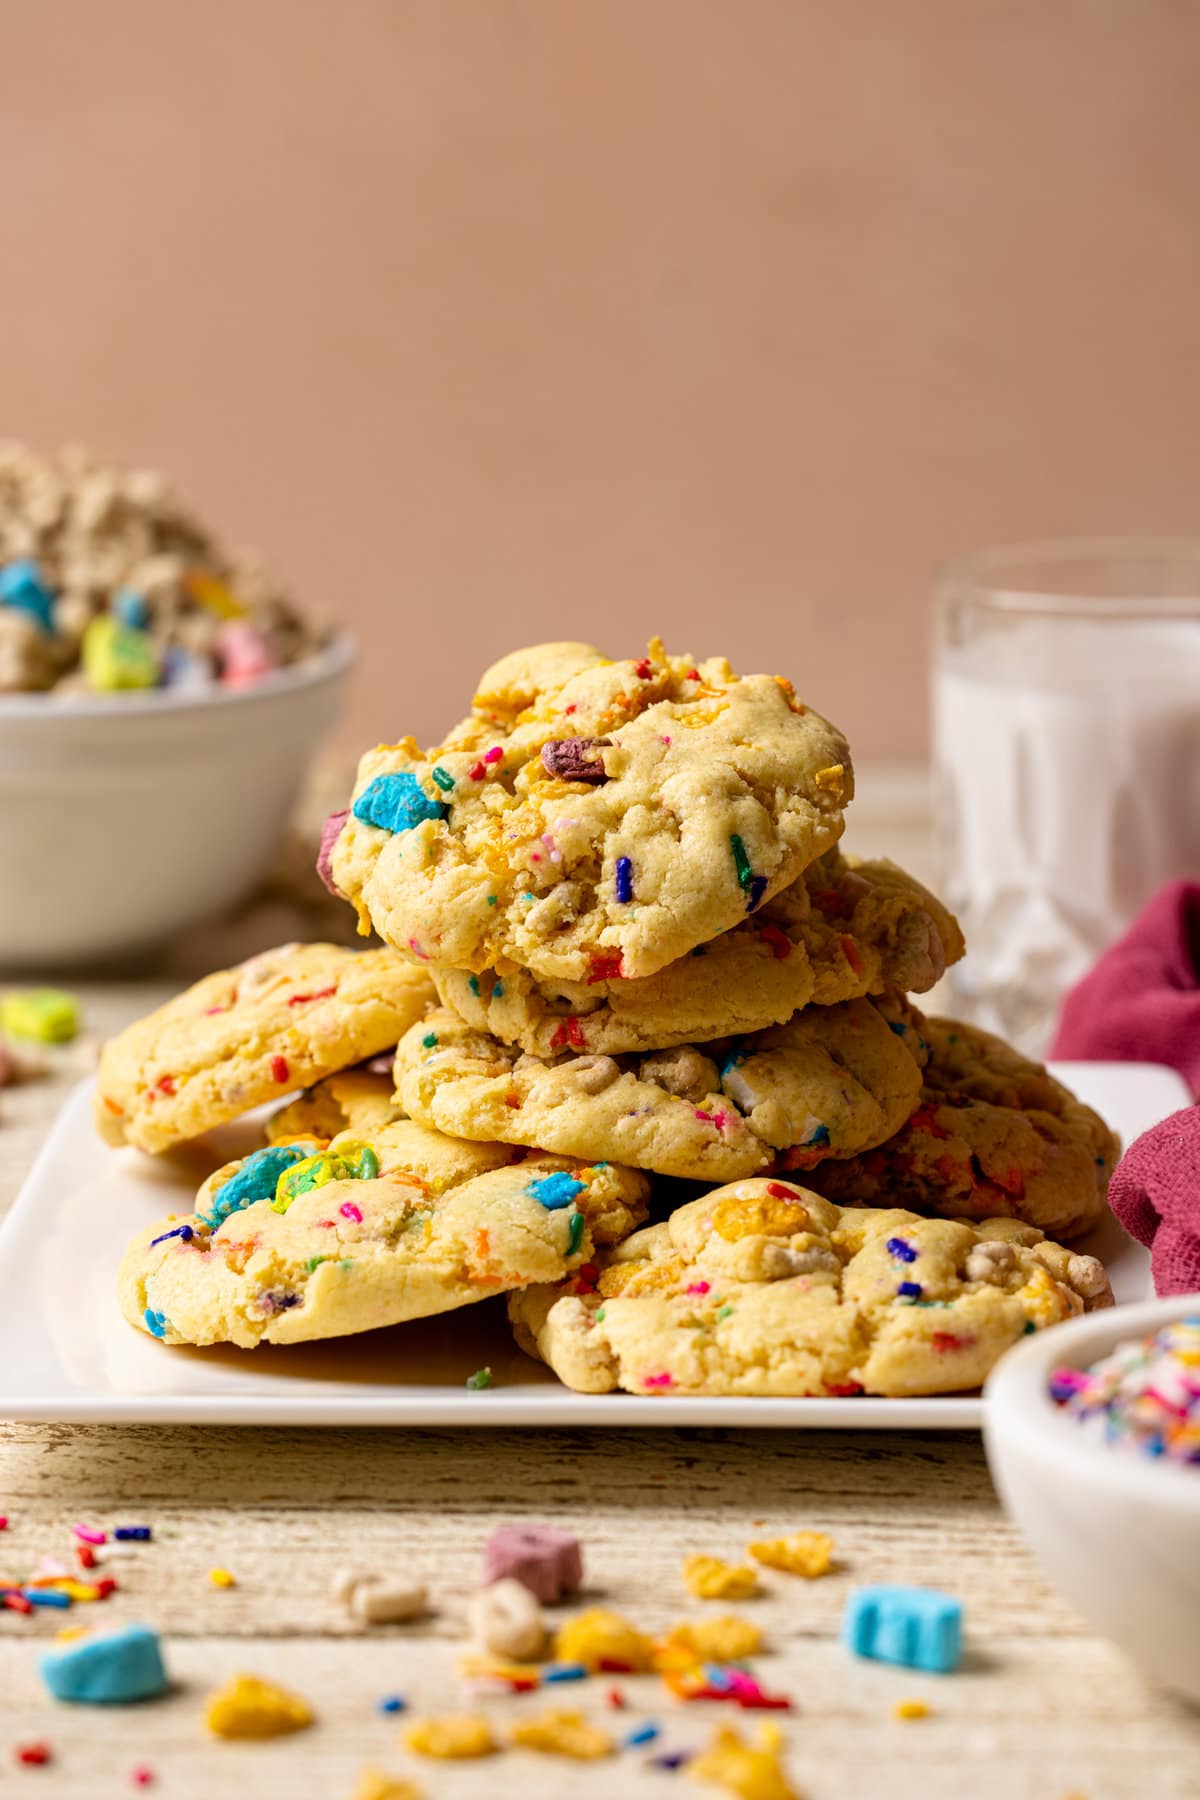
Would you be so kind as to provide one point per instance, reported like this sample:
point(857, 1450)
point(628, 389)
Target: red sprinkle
point(607, 966)
point(3, 1521)
point(142, 1775)
point(16, 1602)
point(106, 1585)
point(777, 1191)
point(924, 1120)
point(493, 755)
point(642, 669)
point(692, 675)
point(842, 1390)
point(279, 1068)
point(698, 1287)
point(166, 1085)
point(616, 1699)
point(779, 941)
point(569, 1032)
point(476, 772)
point(946, 1340)
point(512, 1100)
point(34, 1753)
point(348, 1210)
point(572, 708)
point(830, 901)
point(850, 951)
point(612, 1665)
point(303, 999)
point(85, 1556)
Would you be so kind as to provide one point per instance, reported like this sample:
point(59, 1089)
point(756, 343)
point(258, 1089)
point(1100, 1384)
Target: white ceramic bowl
point(1117, 1531)
point(129, 817)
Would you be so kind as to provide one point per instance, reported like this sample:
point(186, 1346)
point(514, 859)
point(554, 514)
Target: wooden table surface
point(1041, 1709)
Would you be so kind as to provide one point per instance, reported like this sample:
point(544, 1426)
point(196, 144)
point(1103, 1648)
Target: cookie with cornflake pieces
point(303, 1241)
point(592, 819)
point(764, 1288)
point(995, 1135)
point(833, 1080)
point(251, 1034)
point(846, 928)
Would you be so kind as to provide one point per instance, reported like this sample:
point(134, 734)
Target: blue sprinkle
point(755, 892)
point(255, 1180)
point(473, 984)
point(818, 1140)
point(671, 1759)
point(397, 803)
point(155, 1322)
point(181, 1231)
point(555, 1190)
point(898, 1026)
point(392, 1703)
point(901, 1249)
point(716, 1677)
point(624, 880)
point(46, 1597)
point(644, 1734)
point(21, 585)
point(734, 1061)
point(133, 1534)
point(911, 1290)
point(131, 608)
point(564, 1672)
point(498, 991)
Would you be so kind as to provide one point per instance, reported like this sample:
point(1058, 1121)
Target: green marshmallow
point(45, 1014)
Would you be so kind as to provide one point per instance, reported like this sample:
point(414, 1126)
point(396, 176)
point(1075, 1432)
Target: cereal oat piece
point(833, 1080)
point(751, 1771)
point(711, 1579)
point(600, 1639)
point(506, 1619)
point(762, 1287)
point(451, 1736)
point(547, 1561)
point(260, 1261)
point(592, 818)
point(247, 1707)
point(845, 929)
point(563, 1734)
point(251, 1034)
point(807, 1553)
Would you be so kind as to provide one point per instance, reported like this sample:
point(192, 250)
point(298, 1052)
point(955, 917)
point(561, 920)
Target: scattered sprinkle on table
point(392, 1703)
point(910, 1709)
point(221, 1578)
point(34, 1755)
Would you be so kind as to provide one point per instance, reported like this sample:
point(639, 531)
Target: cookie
point(765, 1288)
point(591, 818)
point(298, 1242)
point(844, 929)
point(833, 1080)
point(251, 1034)
point(995, 1136)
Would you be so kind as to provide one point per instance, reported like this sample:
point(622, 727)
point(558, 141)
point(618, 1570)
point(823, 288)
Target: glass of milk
point(1066, 706)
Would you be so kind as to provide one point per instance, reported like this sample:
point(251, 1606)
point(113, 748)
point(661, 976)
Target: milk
point(1067, 752)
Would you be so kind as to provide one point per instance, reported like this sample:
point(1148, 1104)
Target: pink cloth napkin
point(1141, 1003)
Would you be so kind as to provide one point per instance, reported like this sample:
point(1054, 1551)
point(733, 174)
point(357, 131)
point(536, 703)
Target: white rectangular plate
point(67, 1354)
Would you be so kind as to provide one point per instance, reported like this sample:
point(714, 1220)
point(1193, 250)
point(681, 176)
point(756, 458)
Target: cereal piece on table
point(47, 1015)
point(376, 1600)
point(600, 1639)
point(911, 1709)
point(917, 1627)
point(114, 1669)
point(723, 1639)
point(751, 1771)
point(374, 1784)
point(506, 1619)
point(546, 1561)
point(711, 1579)
point(247, 1707)
point(807, 1553)
point(563, 1734)
point(452, 1736)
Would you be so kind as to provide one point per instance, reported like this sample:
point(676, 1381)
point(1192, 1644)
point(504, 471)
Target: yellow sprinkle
point(78, 1590)
point(563, 1734)
point(910, 1709)
point(373, 1784)
point(599, 1636)
point(247, 1707)
point(711, 1579)
point(751, 1771)
point(807, 1553)
point(451, 1736)
point(724, 1639)
point(71, 1631)
point(222, 1578)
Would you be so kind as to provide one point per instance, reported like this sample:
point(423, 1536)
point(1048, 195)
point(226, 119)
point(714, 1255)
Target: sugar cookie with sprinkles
point(764, 1288)
point(845, 929)
point(252, 1034)
point(592, 818)
point(995, 1135)
point(832, 1081)
point(304, 1241)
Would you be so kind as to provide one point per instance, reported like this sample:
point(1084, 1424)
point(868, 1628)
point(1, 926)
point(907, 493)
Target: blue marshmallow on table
point(110, 1670)
point(917, 1627)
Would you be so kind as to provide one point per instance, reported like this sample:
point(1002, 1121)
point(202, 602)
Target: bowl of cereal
point(160, 703)
point(1093, 1438)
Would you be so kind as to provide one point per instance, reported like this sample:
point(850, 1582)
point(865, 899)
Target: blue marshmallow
point(917, 1627)
point(113, 1670)
point(397, 803)
point(21, 585)
point(555, 1190)
point(255, 1180)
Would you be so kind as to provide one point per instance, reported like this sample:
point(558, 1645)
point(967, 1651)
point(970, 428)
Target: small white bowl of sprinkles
point(1093, 1438)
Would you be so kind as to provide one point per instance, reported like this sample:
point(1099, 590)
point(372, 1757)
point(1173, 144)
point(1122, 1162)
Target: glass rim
point(993, 577)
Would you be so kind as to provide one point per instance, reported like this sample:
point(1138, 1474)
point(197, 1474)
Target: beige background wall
point(519, 318)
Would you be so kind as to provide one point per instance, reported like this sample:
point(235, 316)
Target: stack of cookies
point(639, 1053)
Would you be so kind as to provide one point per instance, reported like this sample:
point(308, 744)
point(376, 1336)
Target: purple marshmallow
point(331, 831)
point(548, 1562)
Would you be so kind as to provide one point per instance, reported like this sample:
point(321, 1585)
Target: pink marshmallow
point(548, 1562)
